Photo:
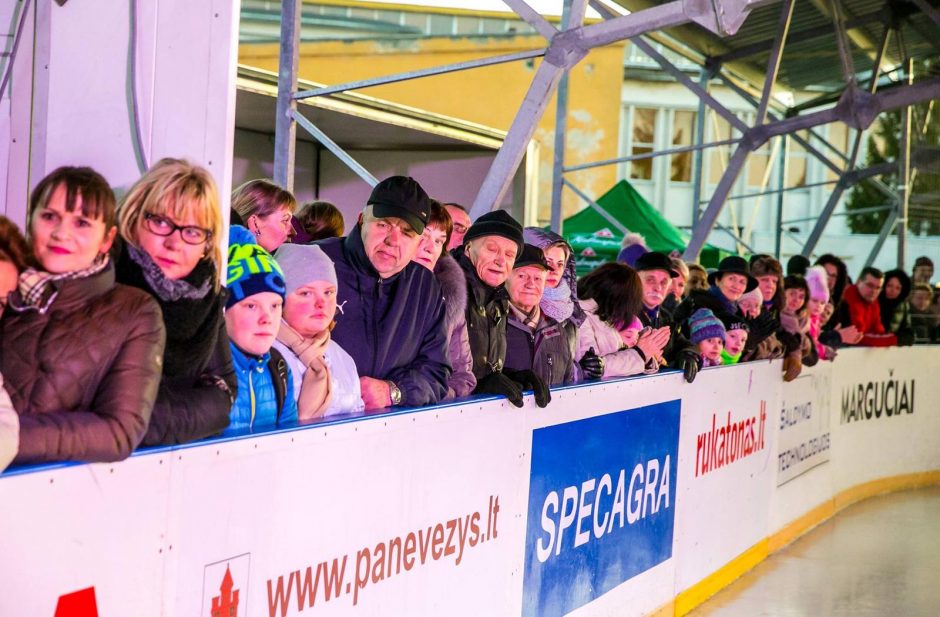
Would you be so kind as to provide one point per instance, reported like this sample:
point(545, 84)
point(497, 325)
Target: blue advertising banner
point(601, 505)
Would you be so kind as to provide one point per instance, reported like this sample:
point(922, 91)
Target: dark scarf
point(727, 305)
point(192, 310)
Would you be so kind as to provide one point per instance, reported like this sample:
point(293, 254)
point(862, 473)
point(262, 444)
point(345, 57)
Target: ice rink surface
point(877, 558)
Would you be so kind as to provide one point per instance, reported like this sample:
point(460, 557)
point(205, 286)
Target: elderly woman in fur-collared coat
point(432, 254)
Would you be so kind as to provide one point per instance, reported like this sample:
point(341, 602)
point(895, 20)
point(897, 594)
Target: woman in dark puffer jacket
point(432, 254)
point(80, 354)
point(170, 224)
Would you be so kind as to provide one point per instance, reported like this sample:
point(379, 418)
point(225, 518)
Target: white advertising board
point(802, 421)
point(884, 414)
point(725, 467)
point(612, 501)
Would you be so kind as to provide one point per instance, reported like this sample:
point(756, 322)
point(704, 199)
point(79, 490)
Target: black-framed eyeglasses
point(163, 226)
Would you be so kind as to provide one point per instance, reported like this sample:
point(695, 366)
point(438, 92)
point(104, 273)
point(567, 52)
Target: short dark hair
point(795, 281)
point(871, 271)
point(617, 290)
point(440, 217)
point(321, 220)
point(98, 200)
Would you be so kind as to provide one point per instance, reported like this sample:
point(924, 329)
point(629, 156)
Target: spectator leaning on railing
point(80, 354)
point(326, 381)
point(534, 340)
point(860, 308)
point(392, 311)
point(252, 319)
point(656, 273)
point(490, 249)
point(432, 254)
point(13, 252)
point(170, 224)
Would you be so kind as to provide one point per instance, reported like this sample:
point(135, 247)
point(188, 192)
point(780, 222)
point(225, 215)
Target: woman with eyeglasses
point(80, 354)
point(170, 225)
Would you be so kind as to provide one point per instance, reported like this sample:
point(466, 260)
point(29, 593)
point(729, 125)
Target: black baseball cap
point(531, 256)
point(401, 197)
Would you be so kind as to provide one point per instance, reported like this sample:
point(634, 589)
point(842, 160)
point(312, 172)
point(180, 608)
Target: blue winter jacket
point(393, 328)
point(256, 403)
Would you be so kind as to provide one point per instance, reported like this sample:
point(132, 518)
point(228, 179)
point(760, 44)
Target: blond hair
point(175, 188)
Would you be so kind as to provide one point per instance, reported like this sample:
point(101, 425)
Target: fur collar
point(453, 283)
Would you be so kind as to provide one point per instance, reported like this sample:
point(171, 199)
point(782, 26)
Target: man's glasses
point(163, 226)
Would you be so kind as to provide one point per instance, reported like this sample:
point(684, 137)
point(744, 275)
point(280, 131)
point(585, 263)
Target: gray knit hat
point(304, 263)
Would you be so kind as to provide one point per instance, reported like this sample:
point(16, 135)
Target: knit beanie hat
point(302, 264)
point(817, 279)
point(754, 294)
point(251, 269)
point(704, 325)
point(632, 248)
point(496, 223)
point(797, 265)
point(735, 322)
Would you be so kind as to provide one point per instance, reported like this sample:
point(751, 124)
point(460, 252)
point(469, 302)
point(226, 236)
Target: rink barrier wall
point(533, 492)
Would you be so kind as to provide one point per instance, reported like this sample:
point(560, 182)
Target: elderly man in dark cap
point(656, 273)
point(487, 255)
point(391, 310)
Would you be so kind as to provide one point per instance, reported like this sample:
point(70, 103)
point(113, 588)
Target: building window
point(415, 20)
point(720, 130)
point(442, 25)
point(683, 132)
point(468, 25)
point(796, 161)
point(642, 141)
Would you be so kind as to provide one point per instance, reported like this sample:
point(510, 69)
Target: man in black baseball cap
point(392, 317)
point(656, 273)
point(403, 198)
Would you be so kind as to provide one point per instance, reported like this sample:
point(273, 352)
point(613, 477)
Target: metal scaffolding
point(856, 106)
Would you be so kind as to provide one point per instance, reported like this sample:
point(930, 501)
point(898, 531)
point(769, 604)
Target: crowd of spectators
point(118, 329)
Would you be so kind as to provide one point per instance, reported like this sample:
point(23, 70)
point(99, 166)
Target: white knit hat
point(304, 263)
point(817, 279)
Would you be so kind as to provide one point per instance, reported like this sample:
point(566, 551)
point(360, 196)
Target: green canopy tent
point(596, 239)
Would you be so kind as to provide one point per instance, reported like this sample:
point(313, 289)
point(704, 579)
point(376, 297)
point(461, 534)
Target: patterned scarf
point(316, 389)
point(557, 302)
point(38, 289)
point(529, 320)
point(168, 290)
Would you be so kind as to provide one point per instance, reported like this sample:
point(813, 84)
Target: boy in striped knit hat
point(708, 334)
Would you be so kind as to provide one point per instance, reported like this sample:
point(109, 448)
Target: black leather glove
point(905, 338)
point(592, 365)
point(760, 328)
point(790, 340)
point(689, 362)
point(501, 384)
point(530, 381)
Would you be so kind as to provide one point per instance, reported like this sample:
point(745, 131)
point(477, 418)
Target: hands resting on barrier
point(511, 384)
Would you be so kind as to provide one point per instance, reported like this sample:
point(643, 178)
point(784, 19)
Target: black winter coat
point(722, 309)
point(549, 351)
point(393, 328)
point(190, 405)
point(487, 313)
point(677, 342)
